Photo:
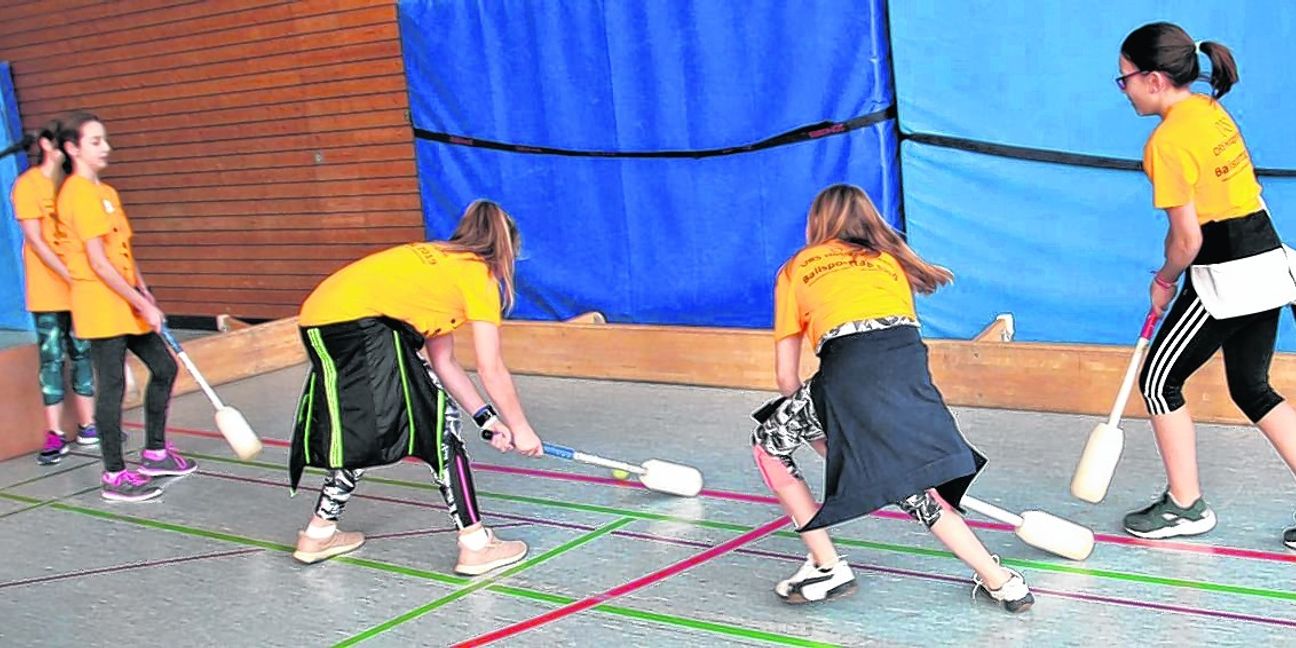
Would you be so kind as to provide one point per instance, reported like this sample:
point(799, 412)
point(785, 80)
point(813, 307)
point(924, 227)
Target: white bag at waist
point(1253, 284)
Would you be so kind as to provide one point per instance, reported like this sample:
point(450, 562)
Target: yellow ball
point(620, 474)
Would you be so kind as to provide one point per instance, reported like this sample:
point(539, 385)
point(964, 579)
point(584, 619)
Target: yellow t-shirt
point(827, 285)
point(433, 290)
point(91, 210)
point(33, 199)
point(1197, 155)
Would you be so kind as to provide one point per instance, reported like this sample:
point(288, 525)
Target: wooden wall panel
point(359, 30)
point(259, 144)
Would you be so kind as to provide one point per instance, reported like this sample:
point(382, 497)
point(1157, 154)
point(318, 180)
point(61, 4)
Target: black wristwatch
point(486, 417)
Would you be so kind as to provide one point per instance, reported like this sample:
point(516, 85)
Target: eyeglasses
point(1120, 80)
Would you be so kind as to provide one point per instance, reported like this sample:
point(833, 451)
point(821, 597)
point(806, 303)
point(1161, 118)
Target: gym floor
point(613, 564)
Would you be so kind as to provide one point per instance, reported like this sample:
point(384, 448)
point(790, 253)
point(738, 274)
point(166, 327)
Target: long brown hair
point(845, 213)
point(487, 231)
point(70, 132)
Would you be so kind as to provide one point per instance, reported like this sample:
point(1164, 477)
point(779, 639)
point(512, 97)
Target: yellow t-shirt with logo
point(421, 284)
point(33, 199)
point(89, 210)
point(1197, 155)
point(827, 285)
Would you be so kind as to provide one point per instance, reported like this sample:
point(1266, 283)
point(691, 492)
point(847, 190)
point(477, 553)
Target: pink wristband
point(1162, 282)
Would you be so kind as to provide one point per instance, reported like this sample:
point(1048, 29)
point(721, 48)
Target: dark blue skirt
point(889, 432)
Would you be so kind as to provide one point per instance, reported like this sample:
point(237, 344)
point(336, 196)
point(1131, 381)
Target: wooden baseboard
point(986, 372)
point(226, 323)
point(226, 357)
point(1063, 378)
point(22, 415)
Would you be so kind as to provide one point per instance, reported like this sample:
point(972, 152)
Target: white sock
point(320, 532)
point(475, 541)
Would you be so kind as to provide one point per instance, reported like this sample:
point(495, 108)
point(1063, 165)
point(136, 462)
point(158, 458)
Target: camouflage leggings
point(54, 339)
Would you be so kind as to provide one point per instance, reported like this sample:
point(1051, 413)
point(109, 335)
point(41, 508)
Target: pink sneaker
point(160, 463)
point(55, 447)
point(128, 486)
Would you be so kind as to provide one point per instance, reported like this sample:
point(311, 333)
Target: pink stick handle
point(1149, 325)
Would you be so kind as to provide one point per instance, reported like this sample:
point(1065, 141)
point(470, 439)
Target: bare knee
point(774, 470)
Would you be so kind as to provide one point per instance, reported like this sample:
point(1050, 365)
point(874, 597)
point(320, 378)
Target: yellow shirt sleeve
point(1173, 173)
point(481, 297)
point(787, 314)
point(26, 201)
point(88, 218)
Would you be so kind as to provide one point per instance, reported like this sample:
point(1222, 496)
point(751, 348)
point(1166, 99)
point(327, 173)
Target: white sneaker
point(811, 583)
point(1013, 595)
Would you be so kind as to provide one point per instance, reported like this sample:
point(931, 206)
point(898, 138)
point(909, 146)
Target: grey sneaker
point(1165, 519)
point(128, 486)
point(1013, 595)
point(159, 463)
point(87, 435)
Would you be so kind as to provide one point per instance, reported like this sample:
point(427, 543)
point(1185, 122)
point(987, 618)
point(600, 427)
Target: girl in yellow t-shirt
point(112, 307)
point(872, 409)
point(48, 297)
point(1201, 174)
point(370, 401)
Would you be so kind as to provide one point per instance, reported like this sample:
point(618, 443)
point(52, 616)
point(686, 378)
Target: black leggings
point(1189, 336)
point(109, 357)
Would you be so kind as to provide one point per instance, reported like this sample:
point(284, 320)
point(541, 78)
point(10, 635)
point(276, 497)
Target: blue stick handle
point(571, 454)
point(561, 452)
point(170, 339)
point(551, 449)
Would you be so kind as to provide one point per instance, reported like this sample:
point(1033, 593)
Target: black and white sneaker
point(1013, 595)
point(812, 583)
point(1166, 519)
point(1289, 537)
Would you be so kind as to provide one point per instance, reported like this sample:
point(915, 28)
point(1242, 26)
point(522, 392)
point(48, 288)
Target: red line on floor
point(636, 584)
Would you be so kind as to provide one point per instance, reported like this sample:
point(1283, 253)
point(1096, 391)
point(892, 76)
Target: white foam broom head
point(237, 433)
point(673, 478)
point(1054, 534)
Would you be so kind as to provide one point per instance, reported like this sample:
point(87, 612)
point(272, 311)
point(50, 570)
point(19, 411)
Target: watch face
point(483, 416)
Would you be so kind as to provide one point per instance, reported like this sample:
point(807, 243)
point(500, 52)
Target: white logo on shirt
point(108, 206)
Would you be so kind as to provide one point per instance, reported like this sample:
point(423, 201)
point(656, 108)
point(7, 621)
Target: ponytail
point(1224, 72)
point(22, 144)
